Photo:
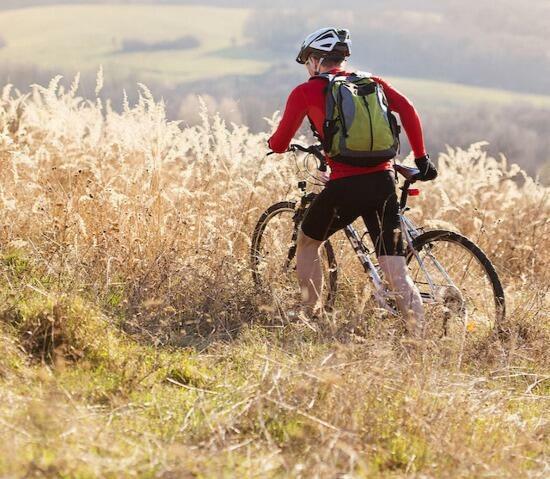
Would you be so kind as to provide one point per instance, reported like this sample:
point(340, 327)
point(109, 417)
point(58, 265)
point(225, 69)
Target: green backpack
point(359, 129)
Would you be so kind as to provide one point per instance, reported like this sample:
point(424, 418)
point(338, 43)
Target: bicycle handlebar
point(410, 174)
point(315, 150)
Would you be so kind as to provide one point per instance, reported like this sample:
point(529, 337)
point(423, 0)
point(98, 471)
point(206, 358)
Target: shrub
point(131, 45)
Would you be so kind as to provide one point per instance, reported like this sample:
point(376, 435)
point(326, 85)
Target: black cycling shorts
point(371, 196)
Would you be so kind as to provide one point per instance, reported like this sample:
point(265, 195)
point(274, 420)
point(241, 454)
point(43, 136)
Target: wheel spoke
point(460, 282)
point(274, 259)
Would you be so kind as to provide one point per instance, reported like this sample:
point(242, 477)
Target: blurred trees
point(498, 44)
point(131, 45)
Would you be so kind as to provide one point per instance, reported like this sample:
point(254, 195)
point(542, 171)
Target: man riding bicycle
point(352, 190)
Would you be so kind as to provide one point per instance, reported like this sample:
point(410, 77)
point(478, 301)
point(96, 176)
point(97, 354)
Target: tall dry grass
point(149, 225)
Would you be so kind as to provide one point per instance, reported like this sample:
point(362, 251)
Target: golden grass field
point(133, 343)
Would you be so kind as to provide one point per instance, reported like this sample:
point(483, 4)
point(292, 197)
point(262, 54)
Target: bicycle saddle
point(407, 171)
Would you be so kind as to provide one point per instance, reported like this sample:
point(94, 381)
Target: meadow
point(134, 344)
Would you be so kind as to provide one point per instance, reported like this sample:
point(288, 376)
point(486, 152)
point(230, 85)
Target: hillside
point(76, 45)
point(133, 343)
point(83, 37)
point(442, 95)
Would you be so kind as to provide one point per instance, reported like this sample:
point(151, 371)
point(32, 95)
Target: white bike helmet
point(326, 41)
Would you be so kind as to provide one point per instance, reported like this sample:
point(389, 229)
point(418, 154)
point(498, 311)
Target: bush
point(132, 45)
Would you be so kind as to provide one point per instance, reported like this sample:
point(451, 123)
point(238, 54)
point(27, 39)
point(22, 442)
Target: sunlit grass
point(132, 341)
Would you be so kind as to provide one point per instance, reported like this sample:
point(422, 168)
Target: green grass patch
point(268, 404)
point(83, 37)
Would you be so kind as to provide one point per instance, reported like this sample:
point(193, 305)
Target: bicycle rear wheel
point(459, 285)
point(273, 258)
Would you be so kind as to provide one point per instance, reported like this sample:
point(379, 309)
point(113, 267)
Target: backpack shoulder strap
point(323, 76)
point(360, 74)
point(316, 134)
point(311, 125)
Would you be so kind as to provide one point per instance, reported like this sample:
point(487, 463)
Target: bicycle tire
point(257, 255)
point(435, 237)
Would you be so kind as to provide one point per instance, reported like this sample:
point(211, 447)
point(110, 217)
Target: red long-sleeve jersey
point(309, 99)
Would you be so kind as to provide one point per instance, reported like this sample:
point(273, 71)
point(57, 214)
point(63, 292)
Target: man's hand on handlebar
point(428, 171)
point(315, 150)
point(295, 147)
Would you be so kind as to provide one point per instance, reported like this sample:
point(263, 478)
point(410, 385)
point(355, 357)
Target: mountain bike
point(457, 282)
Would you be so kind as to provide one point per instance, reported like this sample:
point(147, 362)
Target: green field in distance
point(81, 37)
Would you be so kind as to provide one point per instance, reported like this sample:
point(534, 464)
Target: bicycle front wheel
point(459, 285)
point(273, 257)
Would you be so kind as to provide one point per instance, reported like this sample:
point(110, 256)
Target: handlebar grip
point(295, 146)
point(415, 178)
point(313, 150)
point(291, 148)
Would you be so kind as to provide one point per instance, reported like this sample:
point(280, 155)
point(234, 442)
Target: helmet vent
point(325, 36)
point(325, 41)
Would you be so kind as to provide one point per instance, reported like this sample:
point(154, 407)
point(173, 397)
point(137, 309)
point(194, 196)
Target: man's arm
point(413, 127)
point(410, 120)
point(295, 112)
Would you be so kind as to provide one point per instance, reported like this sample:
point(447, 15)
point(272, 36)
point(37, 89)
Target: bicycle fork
point(297, 218)
point(410, 232)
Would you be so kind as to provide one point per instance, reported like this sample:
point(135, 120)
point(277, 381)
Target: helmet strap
point(319, 66)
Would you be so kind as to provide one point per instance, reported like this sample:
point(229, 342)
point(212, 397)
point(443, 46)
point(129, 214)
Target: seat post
point(404, 194)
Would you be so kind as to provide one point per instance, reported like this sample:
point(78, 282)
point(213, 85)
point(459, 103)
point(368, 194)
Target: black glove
point(428, 171)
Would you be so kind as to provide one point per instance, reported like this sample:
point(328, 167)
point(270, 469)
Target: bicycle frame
point(408, 229)
point(409, 232)
point(380, 292)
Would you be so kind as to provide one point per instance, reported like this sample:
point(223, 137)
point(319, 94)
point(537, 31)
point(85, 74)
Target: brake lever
point(291, 149)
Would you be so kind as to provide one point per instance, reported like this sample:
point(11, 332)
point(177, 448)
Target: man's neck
point(330, 69)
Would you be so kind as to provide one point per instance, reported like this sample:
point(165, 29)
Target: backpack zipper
point(341, 110)
point(370, 123)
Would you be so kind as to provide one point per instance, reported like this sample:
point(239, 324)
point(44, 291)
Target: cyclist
point(351, 191)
